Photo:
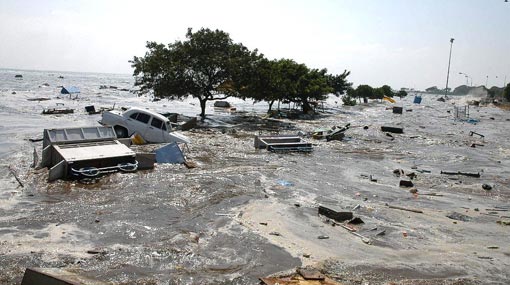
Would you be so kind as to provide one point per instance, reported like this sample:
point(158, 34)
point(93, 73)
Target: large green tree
point(208, 65)
point(365, 91)
point(285, 79)
point(267, 82)
point(387, 91)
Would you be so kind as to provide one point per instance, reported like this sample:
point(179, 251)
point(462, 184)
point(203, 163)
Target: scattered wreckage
point(282, 143)
point(85, 152)
point(89, 152)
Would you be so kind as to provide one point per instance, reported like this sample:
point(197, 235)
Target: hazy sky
point(403, 43)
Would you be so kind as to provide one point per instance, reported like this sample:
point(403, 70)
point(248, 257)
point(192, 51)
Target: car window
point(144, 118)
point(157, 123)
point(133, 116)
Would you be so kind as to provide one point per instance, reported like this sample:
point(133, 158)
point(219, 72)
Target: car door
point(157, 129)
point(138, 123)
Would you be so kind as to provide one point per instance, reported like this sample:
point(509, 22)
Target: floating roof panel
point(70, 90)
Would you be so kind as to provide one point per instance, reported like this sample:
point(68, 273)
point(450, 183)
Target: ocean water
point(174, 225)
point(22, 119)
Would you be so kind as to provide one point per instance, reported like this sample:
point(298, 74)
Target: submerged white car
point(153, 127)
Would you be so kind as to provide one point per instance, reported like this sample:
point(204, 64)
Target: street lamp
point(467, 78)
point(448, 73)
point(487, 82)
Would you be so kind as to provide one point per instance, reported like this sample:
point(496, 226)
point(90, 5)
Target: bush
point(348, 101)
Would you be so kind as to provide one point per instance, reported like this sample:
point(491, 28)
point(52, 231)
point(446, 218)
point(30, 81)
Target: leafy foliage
point(386, 90)
point(402, 93)
point(207, 66)
point(348, 100)
point(365, 91)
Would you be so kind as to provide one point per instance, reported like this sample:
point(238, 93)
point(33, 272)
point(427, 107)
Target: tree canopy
point(208, 65)
point(368, 92)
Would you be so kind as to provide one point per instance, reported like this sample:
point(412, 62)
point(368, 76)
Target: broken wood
point(392, 130)
point(475, 133)
point(405, 209)
point(431, 194)
point(406, 183)
point(477, 175)
point(337, 216)
point(353, 231)
point(13, 172)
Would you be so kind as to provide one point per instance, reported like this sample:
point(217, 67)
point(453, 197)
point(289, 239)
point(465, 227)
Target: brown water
point(174, 225)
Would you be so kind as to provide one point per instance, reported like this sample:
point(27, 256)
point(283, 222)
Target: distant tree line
point(208, 65)
point(435, 90)
point(506, 92)
point(365, 92)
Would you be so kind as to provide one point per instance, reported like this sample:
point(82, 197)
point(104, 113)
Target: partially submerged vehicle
point(153, 127)
point(85, 152)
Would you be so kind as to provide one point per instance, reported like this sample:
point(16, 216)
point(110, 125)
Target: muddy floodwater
point(244, 213)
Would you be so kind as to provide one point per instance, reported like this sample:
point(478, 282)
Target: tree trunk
point(270, 105)
point(202, 107)
point(307, 109)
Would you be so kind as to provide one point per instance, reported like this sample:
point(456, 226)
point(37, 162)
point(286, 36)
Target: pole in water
point(448, 73)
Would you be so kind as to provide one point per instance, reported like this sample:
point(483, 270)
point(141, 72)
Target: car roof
point(152, 113)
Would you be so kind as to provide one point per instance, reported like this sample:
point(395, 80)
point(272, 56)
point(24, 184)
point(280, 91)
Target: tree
point(433, 89)
point(285, 79)
point(350, 98)
point(312, 86)
point(208, 65)
point(402, 93)
point(506, 92)
point(265, 83)
point(365, 91)
point(386, 90)
point(339, 83)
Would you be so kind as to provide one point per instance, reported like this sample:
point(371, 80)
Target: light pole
point(467, 78)
point(487, 81)
point(448, 73)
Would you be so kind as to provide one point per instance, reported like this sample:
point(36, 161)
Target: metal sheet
point(170, 153)
point(57, 171)
point(70, 90)
point(55, 276)
point(94, 152)
point(75, 135)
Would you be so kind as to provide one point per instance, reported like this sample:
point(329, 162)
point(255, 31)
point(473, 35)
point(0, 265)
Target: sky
point(401, 43)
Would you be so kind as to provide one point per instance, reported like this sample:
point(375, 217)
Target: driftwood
point(13, 172)
point(477, 175)
point(431, 194)
point(405, 209)
point(352, 231)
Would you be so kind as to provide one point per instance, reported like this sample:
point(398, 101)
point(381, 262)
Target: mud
point(213, 224)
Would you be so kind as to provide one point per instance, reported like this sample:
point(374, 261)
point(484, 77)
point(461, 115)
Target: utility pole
point(448, 73)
